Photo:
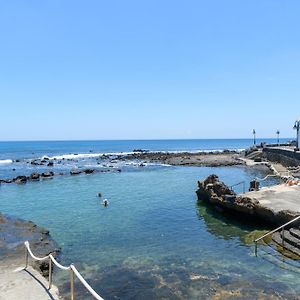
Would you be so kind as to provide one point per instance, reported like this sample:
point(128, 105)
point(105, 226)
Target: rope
point(32, 255)
point(71, 267)
point(88, 287)
point(58, 264)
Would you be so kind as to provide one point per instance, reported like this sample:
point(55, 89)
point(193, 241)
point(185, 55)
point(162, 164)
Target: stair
point(288, 242)
point(254, 154)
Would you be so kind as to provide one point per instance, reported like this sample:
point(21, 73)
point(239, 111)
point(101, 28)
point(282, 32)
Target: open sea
point(153, 241)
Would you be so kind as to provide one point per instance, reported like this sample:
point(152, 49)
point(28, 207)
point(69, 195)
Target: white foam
point(85, 155)
point(5, 161)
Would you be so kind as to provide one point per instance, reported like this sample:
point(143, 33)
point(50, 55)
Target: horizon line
point(158, 139)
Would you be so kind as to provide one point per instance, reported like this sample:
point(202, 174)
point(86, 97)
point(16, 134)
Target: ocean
point(154, 241)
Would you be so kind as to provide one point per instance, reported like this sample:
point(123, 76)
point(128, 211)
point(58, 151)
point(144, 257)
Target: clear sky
point(148, 69)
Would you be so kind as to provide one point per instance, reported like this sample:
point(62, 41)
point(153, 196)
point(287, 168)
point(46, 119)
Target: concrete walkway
point(17, 283)
point(278, 197)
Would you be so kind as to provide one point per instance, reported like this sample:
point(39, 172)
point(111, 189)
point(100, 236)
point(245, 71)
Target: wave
point(6, 161)
point(85, 155)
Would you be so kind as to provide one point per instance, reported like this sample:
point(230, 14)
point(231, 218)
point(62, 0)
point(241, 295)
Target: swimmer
point(105, 203)
point(99, 195)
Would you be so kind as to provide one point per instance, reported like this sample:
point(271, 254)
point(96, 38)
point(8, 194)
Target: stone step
point(272, 255)
point(289, 238)
point(295, 232)
point(287, 248)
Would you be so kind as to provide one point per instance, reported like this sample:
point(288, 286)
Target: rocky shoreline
point(14, 232)
point(108, 163)
point(207, 159)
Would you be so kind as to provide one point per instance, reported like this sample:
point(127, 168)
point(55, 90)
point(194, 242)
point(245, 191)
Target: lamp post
point(278, 132)
point(297, 127)
point(254, 136)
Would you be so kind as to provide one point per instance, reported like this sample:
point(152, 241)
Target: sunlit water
point(153, 241)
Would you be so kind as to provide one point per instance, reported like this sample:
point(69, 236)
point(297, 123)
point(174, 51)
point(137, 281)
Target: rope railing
point(73, 271)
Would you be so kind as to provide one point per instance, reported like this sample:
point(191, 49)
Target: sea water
point(154, 241)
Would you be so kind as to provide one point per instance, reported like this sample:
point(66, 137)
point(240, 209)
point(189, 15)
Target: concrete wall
point(285, 157)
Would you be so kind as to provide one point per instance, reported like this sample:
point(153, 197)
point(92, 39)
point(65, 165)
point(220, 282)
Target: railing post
point(50, 273)
point(256, 249)
point(26, 257)
point(72, 283)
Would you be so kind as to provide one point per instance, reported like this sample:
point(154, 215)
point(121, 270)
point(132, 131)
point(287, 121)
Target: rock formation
point(220, 196)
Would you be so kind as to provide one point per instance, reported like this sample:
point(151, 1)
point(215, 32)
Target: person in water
point(105, 203)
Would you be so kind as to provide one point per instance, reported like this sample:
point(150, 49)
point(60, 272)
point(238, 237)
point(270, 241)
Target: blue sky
point(148, 69)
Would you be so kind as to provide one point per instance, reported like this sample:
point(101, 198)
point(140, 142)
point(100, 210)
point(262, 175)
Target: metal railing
point(273, 175)
point(73, 271)
point(273, 231)
point(239, 183)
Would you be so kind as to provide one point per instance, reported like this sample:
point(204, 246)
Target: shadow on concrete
point(40, 283)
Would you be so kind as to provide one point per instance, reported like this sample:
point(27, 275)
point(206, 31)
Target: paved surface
point(279, 197)
point(17, 283)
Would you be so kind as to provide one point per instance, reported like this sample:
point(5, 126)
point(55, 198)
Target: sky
point(151, 69)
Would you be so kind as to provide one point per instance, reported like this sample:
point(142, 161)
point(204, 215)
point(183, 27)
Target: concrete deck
point(278, 198)
point(17, 283)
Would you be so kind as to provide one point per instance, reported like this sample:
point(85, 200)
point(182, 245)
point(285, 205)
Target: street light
point(254, 136)
point(297, 127)
point(278, 132)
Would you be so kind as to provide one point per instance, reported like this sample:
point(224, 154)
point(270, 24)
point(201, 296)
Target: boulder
point(75, 172)
point(89, 171)
point(20, 179)
point(34, 176)
point(50, 164)
point(47, 174)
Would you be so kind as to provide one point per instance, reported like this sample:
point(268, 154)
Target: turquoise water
point(153, 241)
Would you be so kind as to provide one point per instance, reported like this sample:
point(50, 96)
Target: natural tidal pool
point(153, 241)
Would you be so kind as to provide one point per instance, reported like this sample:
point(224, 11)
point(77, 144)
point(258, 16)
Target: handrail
point(242, 182)
point(70, 268)
point(272, 231)
point(269, 175)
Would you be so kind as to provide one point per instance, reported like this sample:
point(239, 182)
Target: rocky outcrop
point(14, 232)
point(220, 196)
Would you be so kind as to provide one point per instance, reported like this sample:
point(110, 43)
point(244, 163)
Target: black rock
point(20, 179)
point(75, 172)
point(34, 176)
point(47, 174)
point(89, 171)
